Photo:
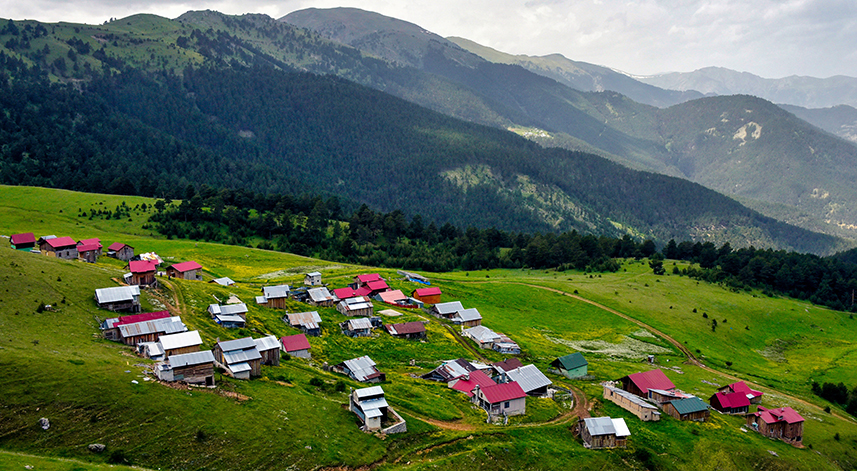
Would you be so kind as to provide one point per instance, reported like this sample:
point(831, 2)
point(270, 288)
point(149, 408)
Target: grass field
point(56, 365)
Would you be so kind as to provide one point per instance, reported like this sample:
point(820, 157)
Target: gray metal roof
point(320, 295)
point(606, 426)
point(359, 323)
point(372, 407)
point(468, 315)
point(117, 294)
point(269, 342)
point(239, 367)
point(279, 291)
point(261, 300)
point(529, 377)
point(632, 397)
point(195, 358)
point(238, 344)
point(181, 340)
point(361, 368)
point(221, 318)
point(225, 281)
point(153, 349)
point(369, 392)
point(238, 356)
point(481, 334)
point(169, 325)
point(449, 308)
point(309, 319)
point(239, 308)
point(313, 274)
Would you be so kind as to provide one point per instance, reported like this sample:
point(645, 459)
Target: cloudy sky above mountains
point(770, 38)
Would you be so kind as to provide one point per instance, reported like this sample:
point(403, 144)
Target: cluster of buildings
point(67, 248)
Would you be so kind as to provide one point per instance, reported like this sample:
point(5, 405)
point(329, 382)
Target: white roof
point(195, 358)
point(481, 334)
point(269, 342)
point(279, 291)
point(117, 294)
point(181, 340)
point(216, 309)
point(367, 392)
point(449, 308)
point(221, 318)
point(238, 344)
point(621, 428)
point(225, 281)
point(261, 300)
point(606, 426)
point(361, 367)
point(320, 294)
point(468, 315)
point(359, 323)
point(529, 377)
point(153, 349)
point(239, 356)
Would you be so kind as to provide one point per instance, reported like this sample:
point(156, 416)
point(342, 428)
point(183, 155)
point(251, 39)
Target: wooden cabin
point(361, 369)
point(192, 368)
point(88, 252)
point(239, 357)
point(181, 343)
point(783, 423)
point(407, 330)
point(120, 251)
point(446, 310)
point(274, 297)
point(632, 403)
point(23, 241)
point(189, 270)
point(356, 306)
point(308, 322)
point(143, 273)
point(269, 349)
point(59, 247)
point(110, 327)
point(357, 327)
point(730, 403)
point(119, 298)
point(571, 366)
point(150, 331)
point(321, 297)
point(427, 295)
point(467, 318)
point(690, 408)
point(603, 432)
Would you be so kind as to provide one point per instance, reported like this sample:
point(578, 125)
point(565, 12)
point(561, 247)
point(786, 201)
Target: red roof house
point(783, 423)
point(754, 396)
point(640, 383)
point(427, 295)
point(296, 345)
point(89, 251)
point(468, 382)
point(408, 330)
point(363, 279)
point(345, 293)
point(94, 241)
point(135, 318)
point(60, 247)
point(24, 241)
point(377, 286)
point(189, 270)
point(142, 272)
point(120, 251)
point(501, 399)
point(730, 403)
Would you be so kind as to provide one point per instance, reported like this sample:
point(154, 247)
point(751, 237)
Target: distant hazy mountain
point(840, 120)
point(582, 75)
point(808, 92)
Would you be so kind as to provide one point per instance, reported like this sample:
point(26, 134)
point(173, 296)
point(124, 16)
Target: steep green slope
point(840, 120)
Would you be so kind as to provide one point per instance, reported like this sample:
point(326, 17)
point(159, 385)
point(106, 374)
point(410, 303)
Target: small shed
point(571, 366)
point(361, 369)
point(501, 399)
point(370, 406)
point(192, 368)
point(119, 298)
point(321, 297)
point(121, 251)
point(730, 403)
point(269, 349)
point(23, 241)
point(239, 309)
point(274, 296)
point(689, 408)
point(356, 306)
point(446, 310)
point(296, 346)
point(189, 270)
point(427, 295)
point(225, 281)
point(312, 279)
point(308, 322)
point(603, 432)
point(483, 336)
point(143, 272)
point(407, 330)
point(357, 327)
point(239, 357)
point(349, 292)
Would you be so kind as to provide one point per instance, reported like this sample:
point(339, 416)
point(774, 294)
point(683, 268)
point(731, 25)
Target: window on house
point(506, 405)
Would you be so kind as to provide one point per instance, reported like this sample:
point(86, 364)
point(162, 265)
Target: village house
point(730, 403)
point(571, 366)
point(189, 270)
point(663, 396)
point(467, 318)
point(23, 241)
point(407, 330)
point(361, 369)
point(370, 406)
point(89, 250)
point(505, 399)
point(110, 327)
point(397, 298)
point(427, 295)
point(632, 403)
point(59, 247)
point(308, 322)
point(119, 298)
point(356, 306)
point(363, 280)
point(269, 348)
point(239, 357)
point(530, 378)
point(506, 345)
point(349, 292)
point(321, 297)
point(312, 279)
point(120, 251)
point(603, 432)
point(192, 368)
point(150, 330)
point(754, 396)
point(689, 408)
point(225, 281)
point(92, 241)
point(783, 423)
point(483, 336)
point(640, 383)
point(181, 343)
point(501, 367)
point(446, 310)
point(296, 345)
point(468, 382)
point(450, 370)
point(274, 296)
point(238, 309)
point(357, 327)
point(142, 273)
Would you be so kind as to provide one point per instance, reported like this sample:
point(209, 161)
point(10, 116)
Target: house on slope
point(450, 370)
point(506, 345)
point(468, 382)
point(349, 292)
point(783, 423)
point(483, 336)
point(225, 281)
point(142, 273)
point(312, 279)
point(571, 366)
point(754, 396)
point(89, 250)
point(397, 298)
point(119, 298)
point(689, 408)
point(151, 330)
point(365, 279)
point(370, 406)
point(308, 322)
point(59, 247)
point(296, 346)
point(230, 316)
point(321, 297)
point(191, 368)
point(356, 306)
point(189, 270)
point(427, 295)
point(120, 251)
point(505, 399)
point(640, 383)
point(446, 310)
point(467, 318)
point(632, 403)
point(180, 343)
point(361, 369)
point(530, 378)
point(730, 403)
point(603, 432)
point(239, 358)
point(407, 330)
point(501, 367)
point(274, 296)
point(24, 241)
point(269, 349)
point(357, 327)
point(110, 327)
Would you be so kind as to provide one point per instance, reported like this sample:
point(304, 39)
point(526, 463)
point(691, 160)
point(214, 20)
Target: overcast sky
point(770, 38)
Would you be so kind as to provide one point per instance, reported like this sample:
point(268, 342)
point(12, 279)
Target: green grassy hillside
point(56, 365)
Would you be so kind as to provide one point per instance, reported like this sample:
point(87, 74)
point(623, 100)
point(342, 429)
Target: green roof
point(689, 405)
point(572, 361)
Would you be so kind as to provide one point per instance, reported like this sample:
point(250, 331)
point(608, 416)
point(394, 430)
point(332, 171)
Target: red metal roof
point(93, 241)
point(390, 297)
point(408, 328)
point(377, 285)
point(653, 379)
point(60, 242)
point(117, 246)
point(369, 277)
point(142, 266)
point(88, 247)
point(345, 293)
point(294, 343)
point(186, 266)
point(135, 318)
point(433, 291)
point(742, 387)
point(782, 414)
point(476, 378)
point(733, 400)
point(24, 238)
point(508, 364)
point(503, 392)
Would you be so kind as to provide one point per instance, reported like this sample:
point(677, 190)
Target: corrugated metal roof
point(195, 358)
point(651, 379)
point(181, 340)
point(238, 356)
point(529, 377)
point(116, 246)
point(361, 368)
point(433, 291)
point(467, 315)
point(503, 392)
point(474, 378)
point(239, 367)
point(142, 266)
point(232, 318)
point(116, 294)
point(481, 334)
point(621, 428)
point(261, 300)
point(153, 349)
point(60, 242)
point(164, 326)
point(148, 316)
point(294, 343)
point(632, 397)
point(414, 327)
point(273, 292)
point(689, 405)
point(599, 426)
point(307, 319)
point(239, 308)
point(572, 361)
point(269, 342)
point(373, 405)
point(186, 266)
point(319, 295)
point(238, 344)
point(24, 238)
point(359, 323)
point(449, 308)
point(369, 392)
point(225, 281)
point(391, 297)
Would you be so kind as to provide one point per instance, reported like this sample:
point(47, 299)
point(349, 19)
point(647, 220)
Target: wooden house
point(571, 366)
point(357, 327)
point(120, 251)
point(88, 252)
point(269, 349)
point(238, 309)
point(427, 295)
point(274, 296)
point(407, 330)
point(119, 298)
point(662, 396)
point(730, 403)
point(361, 369)
point(467, 318)
point(192, 368)
point(296, 346)
point(690, 408)
point(632, 403)
point(181, 343)
point(532, 381)
point(505, 399)
point(603, 432)
point(640, 383)
point(450, 370)
point(308, 322)
point(143, 273)
point(321, 297)
point(446, 310)
point(312, 279)
point(483, 336)
point(783, 423)
point(356, 306)
point(59, 247)
point(189, 270)
point(110, 327)
point(239, 357)
point(506, 345)
point(23, 241)
point(150, 331)
point(754, 396)
point(370, 406)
